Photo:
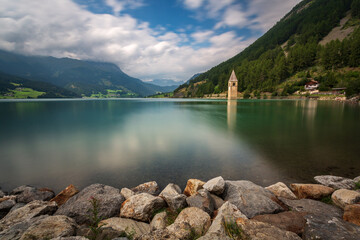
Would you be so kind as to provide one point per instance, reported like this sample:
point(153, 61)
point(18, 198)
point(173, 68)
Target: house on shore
point(311, 85)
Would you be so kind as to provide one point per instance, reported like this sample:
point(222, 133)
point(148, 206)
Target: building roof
point(312, 82)
point(233, 77)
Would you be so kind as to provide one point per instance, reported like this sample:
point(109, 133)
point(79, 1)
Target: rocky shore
point(216, 209)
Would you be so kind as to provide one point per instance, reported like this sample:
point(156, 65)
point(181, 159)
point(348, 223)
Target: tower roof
point(233, 77)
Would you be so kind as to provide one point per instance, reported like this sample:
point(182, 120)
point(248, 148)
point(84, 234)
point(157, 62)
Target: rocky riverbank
point(216, 209)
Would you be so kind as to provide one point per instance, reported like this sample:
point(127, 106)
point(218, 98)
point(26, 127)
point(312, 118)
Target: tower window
point(233, 84)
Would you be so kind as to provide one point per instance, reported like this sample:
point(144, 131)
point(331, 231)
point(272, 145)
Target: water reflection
point(231, 114)
point(127, 142)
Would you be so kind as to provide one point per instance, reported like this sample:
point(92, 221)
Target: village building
point(232, 86)
point(311, 85)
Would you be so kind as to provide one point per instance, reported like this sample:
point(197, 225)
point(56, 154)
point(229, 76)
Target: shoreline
point(216, 209)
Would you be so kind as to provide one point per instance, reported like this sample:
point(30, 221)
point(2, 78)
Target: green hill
point(83, 77)
point(16, 87)
point(289, 53)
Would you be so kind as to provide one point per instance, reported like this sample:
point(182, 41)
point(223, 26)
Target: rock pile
point(216, 209)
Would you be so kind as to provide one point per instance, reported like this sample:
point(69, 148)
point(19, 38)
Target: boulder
point(322, 227)
point(16, 206)
point(159, 221)
point(218, 202)
point(149, 187)
point(170, 189)
point(250, 198)
point(124, 225)
point(78, 207)
point(289, 221)
point(65, 195)
point(255, 230)
point(215, 185)
point(51, 227)
point(182, 234)
point(357, 179)
point(352, 214)
point(202, 200)
point(26, 194)
point(311, 191)
point(6, 203)
point(17, 230)
point(27, 212)
point(310, 206)
point(335, 182)
point(281, 190)
point(192, 186)
point(195, 218)
point(71, 238)
point(343, 197)
point(141, 206)
point(228, 213)
point(173, 197)
point(2, 194)
point(127, 193)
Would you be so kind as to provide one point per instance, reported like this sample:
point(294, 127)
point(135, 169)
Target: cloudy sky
point(147, 39)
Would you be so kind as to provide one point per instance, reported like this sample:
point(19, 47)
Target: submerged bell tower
point(232, 86)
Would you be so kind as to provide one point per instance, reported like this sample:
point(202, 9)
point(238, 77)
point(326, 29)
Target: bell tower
point(233, 86)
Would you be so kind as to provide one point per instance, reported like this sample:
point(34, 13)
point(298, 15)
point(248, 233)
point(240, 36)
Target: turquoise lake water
point(125, 142)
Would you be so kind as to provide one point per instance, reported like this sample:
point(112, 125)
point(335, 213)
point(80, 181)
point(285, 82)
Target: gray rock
point(141, 206)
point(159, 221)
point(281, 190)
point(16, 206)
point(313, 207)
point(357, 179)
point(202, 200)
point(2, 194)
point(26, 194)
point(149, 187)
point(250, 198)
point(344, 197)
point(255, 230)
point(78, 207)
point(72, 238)
point(171, 189)
point(195, 218)
point(335, 182)
point(173, 197)
point(215, 185)
point(218, 202)
point(16, 231)
point(127, 193)
point(50, 227)
point(120, 238)
point(228, 213)
point(5, 205)
point(292, 221)
point(124, 225)
point(323, 227)
point(29, 211)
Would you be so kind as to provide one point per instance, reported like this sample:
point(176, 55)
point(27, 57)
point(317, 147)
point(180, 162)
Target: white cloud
point(61, 28)
point(202, 36)
point(193, 4)
point(234, 17)
point(268, 12)
point(119, 5)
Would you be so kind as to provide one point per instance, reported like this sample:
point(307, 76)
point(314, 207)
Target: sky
point(147, 39)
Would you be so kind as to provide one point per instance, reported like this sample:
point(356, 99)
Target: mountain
point(82, 77)
point(16, 87)
point(164, 82)
point(292, 51)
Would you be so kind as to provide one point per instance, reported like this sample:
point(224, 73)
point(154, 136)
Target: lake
point(125, 142)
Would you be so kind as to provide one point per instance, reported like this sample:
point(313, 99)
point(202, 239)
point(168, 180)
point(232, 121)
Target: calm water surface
point(54, 143)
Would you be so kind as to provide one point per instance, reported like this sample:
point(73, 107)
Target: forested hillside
point(291, 51)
